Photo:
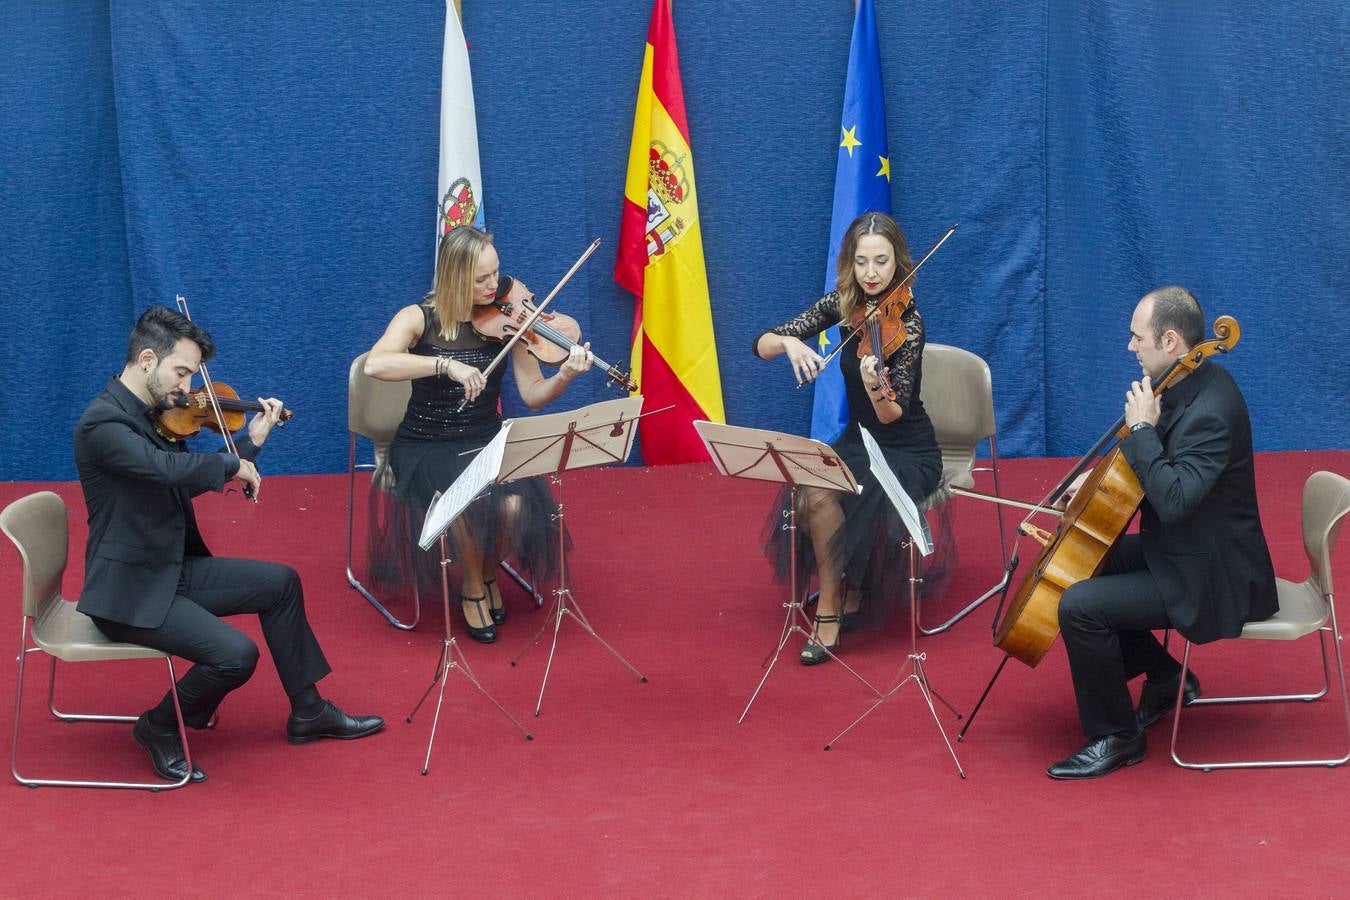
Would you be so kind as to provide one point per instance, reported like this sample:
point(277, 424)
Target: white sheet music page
point(909, 513)
point(456, 498)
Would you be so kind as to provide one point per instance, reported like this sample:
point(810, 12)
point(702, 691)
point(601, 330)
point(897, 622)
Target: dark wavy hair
point(160, 328)
point(850, 293)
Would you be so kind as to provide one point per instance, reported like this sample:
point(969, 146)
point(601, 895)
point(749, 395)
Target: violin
point(549, 339)
point(1096, 517)
point(189, 413)
point(882, 331)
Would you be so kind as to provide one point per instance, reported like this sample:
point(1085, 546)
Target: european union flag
point(862, 183)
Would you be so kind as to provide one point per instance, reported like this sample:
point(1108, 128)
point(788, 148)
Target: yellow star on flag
point(850, 141)
point(885, 167)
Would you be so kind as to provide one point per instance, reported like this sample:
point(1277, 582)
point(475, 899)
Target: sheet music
point(480, 473)
point(909, 513)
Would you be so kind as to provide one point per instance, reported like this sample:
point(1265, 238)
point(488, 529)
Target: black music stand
point(444, 509)
point(918, 543)
point(761, 455)
point(595, 435)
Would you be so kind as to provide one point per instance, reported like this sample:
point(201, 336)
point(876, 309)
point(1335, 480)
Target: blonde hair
point(850, 293)
point(452, 295)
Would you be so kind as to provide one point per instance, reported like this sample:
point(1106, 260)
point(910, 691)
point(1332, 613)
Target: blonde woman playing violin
point(433, 345)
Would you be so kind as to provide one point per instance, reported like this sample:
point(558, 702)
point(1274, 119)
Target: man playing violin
point(1199, 563)
point(149, 578)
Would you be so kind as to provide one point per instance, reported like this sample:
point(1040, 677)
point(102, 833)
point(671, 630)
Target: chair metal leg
point(154, 786)
point(524, 583)
point(1001, 585)
point(1334, 631)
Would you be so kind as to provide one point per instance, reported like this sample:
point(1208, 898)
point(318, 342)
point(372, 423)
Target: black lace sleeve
point(903, 364)
point(821, 315)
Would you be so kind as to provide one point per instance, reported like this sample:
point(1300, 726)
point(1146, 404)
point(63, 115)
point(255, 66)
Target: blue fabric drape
point(276, 163)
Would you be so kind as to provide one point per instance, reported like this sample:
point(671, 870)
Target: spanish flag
point(660, 259)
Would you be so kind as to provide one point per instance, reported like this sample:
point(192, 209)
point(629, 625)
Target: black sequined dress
point(425, 457)
point(872, 531)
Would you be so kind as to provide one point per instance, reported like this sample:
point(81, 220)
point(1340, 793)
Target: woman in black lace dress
point(852, 541)
point(432, 344)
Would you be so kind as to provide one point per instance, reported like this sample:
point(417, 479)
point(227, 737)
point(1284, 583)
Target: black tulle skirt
point(870, 538)
point(402, 489)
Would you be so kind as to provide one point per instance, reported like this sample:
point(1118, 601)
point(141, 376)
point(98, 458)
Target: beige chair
point(374, 410)
point(37, 526)
point(958, 394)
point(1305, 608)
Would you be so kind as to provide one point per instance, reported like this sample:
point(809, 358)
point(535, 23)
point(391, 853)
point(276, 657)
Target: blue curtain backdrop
point(276, 163)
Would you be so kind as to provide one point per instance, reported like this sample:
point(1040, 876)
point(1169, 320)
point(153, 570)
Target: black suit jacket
point(138, 488)
point(1200, 525)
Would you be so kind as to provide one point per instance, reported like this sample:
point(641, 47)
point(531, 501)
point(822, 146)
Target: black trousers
point(210, 588)
point(1108, 623)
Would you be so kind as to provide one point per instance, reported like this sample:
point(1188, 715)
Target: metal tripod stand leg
point(565, 604)
point(451, 657)
point(916, 674)
point(795, 611)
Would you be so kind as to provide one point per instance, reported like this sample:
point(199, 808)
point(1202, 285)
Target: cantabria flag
point(460, 185)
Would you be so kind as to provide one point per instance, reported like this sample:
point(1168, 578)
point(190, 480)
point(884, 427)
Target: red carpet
point(653, 789)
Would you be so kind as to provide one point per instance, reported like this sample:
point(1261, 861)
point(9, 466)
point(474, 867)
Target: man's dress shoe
point(1101, 756)
point(1158, 698)
point(166, 752)
point(330, 722)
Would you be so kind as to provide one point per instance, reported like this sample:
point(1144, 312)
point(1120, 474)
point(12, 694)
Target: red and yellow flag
point(660, 260)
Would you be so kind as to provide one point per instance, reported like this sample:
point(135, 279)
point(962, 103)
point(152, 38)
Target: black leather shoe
point(1158, 698)
point(330, 722)
point(166, 752)
point(1101, 756)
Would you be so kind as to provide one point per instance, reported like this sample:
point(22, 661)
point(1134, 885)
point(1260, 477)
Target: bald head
point(1175, 309)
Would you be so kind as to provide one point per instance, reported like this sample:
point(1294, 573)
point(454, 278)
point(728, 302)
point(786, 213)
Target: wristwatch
point(1138, 425)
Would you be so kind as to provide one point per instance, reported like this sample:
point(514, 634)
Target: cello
point(1090, 526)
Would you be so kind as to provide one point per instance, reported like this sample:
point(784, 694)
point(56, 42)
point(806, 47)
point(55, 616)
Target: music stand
point(444, 509)
point(918, 543)
point(595, 435)
point(761, 455)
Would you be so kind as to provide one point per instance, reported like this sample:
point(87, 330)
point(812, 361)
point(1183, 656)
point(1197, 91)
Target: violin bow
point(496, 361)
point(873, 311)
point(214, 400)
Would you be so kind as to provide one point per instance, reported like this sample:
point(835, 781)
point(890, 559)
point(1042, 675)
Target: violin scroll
point(1227, 333)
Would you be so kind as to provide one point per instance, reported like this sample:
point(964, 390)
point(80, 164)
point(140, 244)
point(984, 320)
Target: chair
point(374, 410)
point(958, 394)
point(1305, 608)
point(37, 526)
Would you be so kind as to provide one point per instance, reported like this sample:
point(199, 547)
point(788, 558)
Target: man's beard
point(159, 399)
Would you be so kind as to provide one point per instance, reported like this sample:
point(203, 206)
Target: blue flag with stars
point(862, 183)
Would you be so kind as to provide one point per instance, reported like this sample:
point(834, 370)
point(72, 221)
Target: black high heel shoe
point(488, 633)
point(496, 607)
point(813, 654)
